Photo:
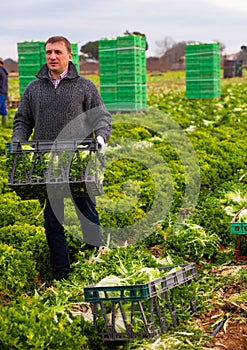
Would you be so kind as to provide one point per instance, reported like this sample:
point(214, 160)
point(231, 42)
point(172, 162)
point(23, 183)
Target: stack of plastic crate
point(108, 72)
point(31, 57)
point(75, 57)
point(202, 70)
point(123, 72)
point(131, 72)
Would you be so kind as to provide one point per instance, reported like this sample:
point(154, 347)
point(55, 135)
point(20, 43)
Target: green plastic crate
point(108, 88)
point(24, 81)
point(144, 92)
point(129, 41)
point(109, 94)
point(107, 54)
point(28, 69)
point(129, 78)
point(238, 228)
point(125, 52)
point(130, 98)
point(74, 48)
point(129, 68)
point(203, 94)
point(130, 106)
point(109, 97)
point(108, 79)
point(201, 47)
point(108, 70)
point(130, 64)
point(107, 44)
point(200, 75)
point(30, 58)
point(112, 106)
point(30, 46)
point(153, 307)
point(203, 89)
point(108, 61)
point(143, 43)
point(131, 93)
point(141, 291)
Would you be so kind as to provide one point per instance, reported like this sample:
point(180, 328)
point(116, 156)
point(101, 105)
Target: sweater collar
point(72, 72)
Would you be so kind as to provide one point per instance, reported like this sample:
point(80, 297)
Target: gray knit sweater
point(73, 110)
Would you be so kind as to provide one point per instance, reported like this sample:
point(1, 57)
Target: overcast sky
point(90, 20)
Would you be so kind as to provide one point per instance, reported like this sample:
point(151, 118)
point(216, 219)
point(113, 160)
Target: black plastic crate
point(59, 168)
point(143, 311)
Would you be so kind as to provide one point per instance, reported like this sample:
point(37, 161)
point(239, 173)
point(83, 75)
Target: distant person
point(3, 91)
point(50, 108)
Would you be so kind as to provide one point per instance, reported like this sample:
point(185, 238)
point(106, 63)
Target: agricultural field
point(175, 176)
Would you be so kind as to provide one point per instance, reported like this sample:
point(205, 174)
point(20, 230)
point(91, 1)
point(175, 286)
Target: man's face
point(57, 57)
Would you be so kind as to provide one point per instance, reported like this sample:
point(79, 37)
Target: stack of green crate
point(31, 57)
point(122, 63)
point(202, 70)
point(108, 72)
point(75, 57)
point(131, 75)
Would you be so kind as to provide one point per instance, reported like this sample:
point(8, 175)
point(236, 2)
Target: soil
point(230, 316)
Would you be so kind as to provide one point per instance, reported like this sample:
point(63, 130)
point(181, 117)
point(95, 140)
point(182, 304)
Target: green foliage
point(33, 323)
point(193, 243)
point(14, 210)
point(118, 261)
point(17, 271)
point(29, 238)
point(90, 49)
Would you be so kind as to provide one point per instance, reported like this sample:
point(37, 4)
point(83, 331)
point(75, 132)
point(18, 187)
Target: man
point(50, 109)
point(3, 91)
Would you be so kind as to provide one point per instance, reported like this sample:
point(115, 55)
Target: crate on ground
point(60, 168)
point(145, 310)
point(239, 229)
point(240, 253)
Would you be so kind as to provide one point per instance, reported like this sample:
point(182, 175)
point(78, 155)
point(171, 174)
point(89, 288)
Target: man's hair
point(55, 39)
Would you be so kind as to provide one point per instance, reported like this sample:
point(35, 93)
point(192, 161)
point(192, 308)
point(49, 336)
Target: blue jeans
point(54, 218)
